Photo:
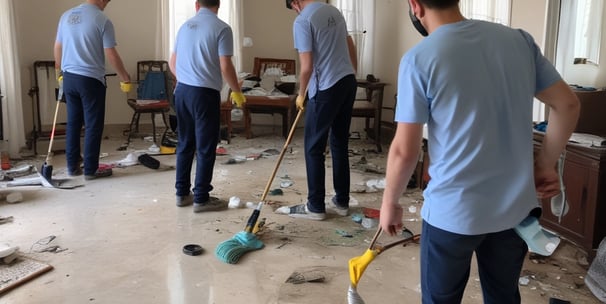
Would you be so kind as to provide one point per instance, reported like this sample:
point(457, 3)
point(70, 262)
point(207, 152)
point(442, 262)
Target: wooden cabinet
point(585, 184)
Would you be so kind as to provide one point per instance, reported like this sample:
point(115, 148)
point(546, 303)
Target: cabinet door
point(573, 224)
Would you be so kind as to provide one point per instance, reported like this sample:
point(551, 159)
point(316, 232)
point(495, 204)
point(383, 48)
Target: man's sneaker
point(185, 200)
point(99, 174)
point(213, 204)
point(341, 211)
point(301, 211)
point(76, 172)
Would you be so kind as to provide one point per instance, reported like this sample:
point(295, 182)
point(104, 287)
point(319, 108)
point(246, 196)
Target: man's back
point(84, 32)
point(321, 29)
point(473, 83)
point(200, 43)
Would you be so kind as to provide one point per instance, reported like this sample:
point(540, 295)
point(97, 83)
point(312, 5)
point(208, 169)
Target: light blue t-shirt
point(84, 32)
point(200, 42)
point(473, 83)
point(321, 29)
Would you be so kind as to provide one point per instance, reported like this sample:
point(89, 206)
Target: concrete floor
point(123, 238)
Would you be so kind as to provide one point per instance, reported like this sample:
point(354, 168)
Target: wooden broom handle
point(288, 139)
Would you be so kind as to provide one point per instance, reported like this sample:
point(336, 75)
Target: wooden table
point(284, 105)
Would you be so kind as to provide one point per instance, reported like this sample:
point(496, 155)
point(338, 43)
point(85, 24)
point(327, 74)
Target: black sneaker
point(185, 200)
point(99, 174)
point(213, 204)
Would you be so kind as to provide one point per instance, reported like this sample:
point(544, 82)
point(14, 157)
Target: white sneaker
point(332, 206)
point(301, 211)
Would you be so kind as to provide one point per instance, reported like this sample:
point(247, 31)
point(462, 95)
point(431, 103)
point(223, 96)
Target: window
point(489, 10)
point(588, 31)
point(359, 15)
point(229, 11)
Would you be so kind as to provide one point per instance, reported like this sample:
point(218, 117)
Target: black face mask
point(417, 23)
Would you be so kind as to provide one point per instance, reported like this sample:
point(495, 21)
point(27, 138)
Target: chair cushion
point(143, 105)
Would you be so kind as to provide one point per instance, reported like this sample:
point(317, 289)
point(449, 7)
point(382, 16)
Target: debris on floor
point(309, 276)
point(43, 245)
point(8, 253)
point(12, 197)
point(235, 160)
point(5, 220)
point(596, 276)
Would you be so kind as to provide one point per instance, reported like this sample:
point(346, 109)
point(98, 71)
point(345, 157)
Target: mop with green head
point(232, 250)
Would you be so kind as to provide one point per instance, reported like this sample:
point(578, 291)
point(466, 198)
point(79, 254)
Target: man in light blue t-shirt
point(473, 83)
point(85, 36)
point(201, 59)
point(327, 60)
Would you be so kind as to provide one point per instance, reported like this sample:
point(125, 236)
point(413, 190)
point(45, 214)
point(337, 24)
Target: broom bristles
point(232, 250)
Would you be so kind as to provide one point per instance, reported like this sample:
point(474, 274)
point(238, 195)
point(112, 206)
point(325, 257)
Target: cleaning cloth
point(538, 240)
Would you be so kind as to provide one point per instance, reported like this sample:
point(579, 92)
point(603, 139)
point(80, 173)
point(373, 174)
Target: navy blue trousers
point(328, 114)
point(446, 261)
point(85, 97)
point(198, 123)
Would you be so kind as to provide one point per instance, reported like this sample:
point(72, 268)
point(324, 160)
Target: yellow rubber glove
point(300, 102)
point(59, 75)
point(125, 86)
point(238, 98)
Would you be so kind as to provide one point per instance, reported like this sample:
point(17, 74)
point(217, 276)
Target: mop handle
point(252, 220)
point(288, 139)
point(52, 135)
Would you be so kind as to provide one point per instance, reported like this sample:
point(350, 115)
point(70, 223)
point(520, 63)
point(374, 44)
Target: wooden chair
point(153, 94)
point(371, 108)
point(288, 66)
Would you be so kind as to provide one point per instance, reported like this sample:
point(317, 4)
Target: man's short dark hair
point(208, 3)
point(439, 4)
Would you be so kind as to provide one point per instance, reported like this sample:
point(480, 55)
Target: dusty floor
point(122, 238)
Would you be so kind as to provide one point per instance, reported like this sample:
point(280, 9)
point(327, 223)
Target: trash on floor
point(235, 202)
point(148, 161)
point(21, 269)
point(276, 192)
point(596, 276)
point(14, 197)
point(253, 156)
point(4, 220)
point(235, 160)
point(310, 276)
point(221, 151)
point(130, 160)
point(43, 245)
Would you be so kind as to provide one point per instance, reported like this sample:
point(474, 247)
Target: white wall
point(135, 23)
point(268, 22)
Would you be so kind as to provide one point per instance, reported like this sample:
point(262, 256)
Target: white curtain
point(10, 82)
point(231, 12)
point(489, 10)
point(359, 15)
point(565, 44)
point(589, 29)
point(163, 43)
point(173, 13)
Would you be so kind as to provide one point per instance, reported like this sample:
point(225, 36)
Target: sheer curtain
point(359, 15)
point(589, 29)
point(10, 82)
point(173, 13)
point(489, 10)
